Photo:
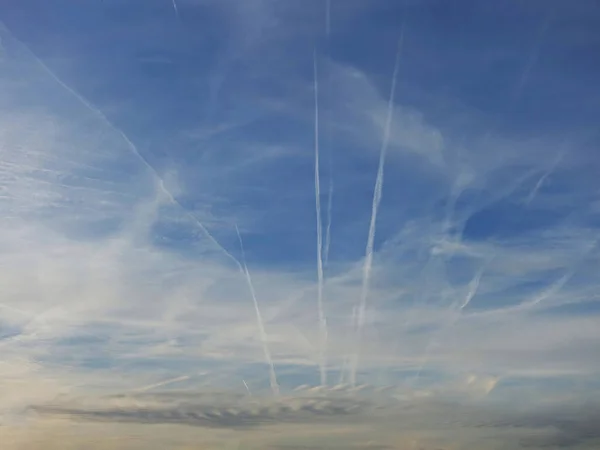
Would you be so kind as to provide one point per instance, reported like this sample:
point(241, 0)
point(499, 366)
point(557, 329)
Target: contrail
point(473, 288)
point(175, 8)
point(533, 55)
point(557, 285)
point(328, 17)
point(330, 160)
point(328, 132)
point(343, 369)
point(347, 364)
point(259, 321)
point(163, 383)
point(543, 178)
point(247, 388)
point(376, 201)
point(132, 147)
point(171, 198)
point(471, 292)
point(329, 211)
point(322, 320)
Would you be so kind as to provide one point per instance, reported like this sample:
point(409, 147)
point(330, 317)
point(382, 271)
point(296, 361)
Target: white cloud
point(92, 292)
point(360, 111)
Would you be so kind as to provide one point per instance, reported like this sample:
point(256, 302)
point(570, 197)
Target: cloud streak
point(322, 319)
point(259, 320)
point(124, 304)
point(378, 192)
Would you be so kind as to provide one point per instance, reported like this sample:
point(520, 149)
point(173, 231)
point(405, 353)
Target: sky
point(285, 224)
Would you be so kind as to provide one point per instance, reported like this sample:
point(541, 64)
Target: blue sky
point(136, 136)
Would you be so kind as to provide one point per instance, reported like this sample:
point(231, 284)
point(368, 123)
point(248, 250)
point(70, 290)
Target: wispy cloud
point(126, 188)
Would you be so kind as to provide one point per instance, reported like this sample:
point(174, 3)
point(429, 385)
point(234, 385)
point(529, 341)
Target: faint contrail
point(376, 201)
point(162, 383)
point(557, 285)
point(533, 55)
point(175, 8)
point(330, 157)
point(322, 320)
point(473, 287)
point(328, 17)
point(543, 178)
point(329, 211)
point(329, 204)
point(259, 321)
point(551, 290)
point(343, 369)
point(347, 364)
point(471, 292)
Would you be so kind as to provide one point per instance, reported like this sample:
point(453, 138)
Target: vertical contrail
point(329, 148)
point(330, 161)
point(322, 320)
point(329, 213)
point(259, 320)
point(376, 201)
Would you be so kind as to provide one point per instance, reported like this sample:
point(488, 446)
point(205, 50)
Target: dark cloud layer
point(224, 412)
point(564, 426)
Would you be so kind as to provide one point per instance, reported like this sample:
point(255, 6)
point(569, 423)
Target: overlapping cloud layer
point(124, 175)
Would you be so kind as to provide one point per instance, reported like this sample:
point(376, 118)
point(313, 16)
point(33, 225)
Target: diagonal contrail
point(247, 388)
point(543, 178)
point(163, 383)
point(533, 55)
point(259, 320)
point(172, 199)
point(322, 320)
point(472, 289)
point(132, 147)
point(376, 201)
